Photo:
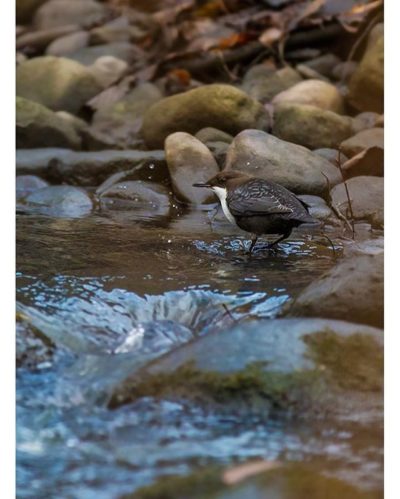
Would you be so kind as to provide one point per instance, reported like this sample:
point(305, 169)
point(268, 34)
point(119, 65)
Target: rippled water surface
point(95, 287)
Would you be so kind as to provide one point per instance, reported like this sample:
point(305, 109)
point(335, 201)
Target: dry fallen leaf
point(241, 472)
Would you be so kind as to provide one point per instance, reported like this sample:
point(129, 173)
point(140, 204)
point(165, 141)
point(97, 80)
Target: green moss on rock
point(354, 362)
point(252, 386)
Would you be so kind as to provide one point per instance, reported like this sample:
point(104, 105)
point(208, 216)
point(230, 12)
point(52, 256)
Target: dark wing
point(306, 205)
point(256, 197)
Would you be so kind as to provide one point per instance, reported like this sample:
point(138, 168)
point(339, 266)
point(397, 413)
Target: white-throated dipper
point(258, 206)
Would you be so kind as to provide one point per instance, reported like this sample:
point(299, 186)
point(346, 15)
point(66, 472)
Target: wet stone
point(26, 184)
point(352, 290)
point(372, 137)
point(189, 161)
point(263, 83)
point(59, 201)
point(82, 168)
point(269, 366)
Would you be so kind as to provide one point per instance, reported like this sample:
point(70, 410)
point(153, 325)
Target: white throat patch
point(221, 192)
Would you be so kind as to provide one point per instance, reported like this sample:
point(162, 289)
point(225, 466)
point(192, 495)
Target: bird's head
point(224, 180)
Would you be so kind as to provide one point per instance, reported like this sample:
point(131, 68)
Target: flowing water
point(93, 286)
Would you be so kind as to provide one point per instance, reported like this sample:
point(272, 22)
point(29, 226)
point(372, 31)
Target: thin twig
point(229, 313)
point(333, 206)
point(339, 165)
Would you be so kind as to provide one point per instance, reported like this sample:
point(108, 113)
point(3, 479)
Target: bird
point(258, 206)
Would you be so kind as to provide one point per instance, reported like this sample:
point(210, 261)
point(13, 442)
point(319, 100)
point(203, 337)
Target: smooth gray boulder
point(189, 161)
point(352, 290)
point(220, 106)
point(55, 82)
point(262, 155)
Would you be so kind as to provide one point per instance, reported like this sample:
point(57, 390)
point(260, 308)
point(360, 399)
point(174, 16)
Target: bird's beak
point(202, 185)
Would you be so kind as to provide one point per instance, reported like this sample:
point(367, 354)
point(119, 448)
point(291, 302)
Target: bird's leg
point(254, 238)
point(214, 214)
point(284, 236)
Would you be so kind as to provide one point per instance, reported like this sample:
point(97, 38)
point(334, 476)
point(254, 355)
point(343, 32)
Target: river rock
point(220, 106)
point(141, 195)
point(330, 154)
point(366, 194)
point(81, 168)
point(117, 30)
point(366, 84)
point(57, 83)
point(39, 40)
point(309, 73)
point(120, 50)
point(366, 120)
point(318, 208)
point(278, 364)
point(295, 167)
point(25, 184)
point(210, 134)
point(60, 201)
point(323, 64)
point(108, 69)
point(68, 44)
point(60, 12)
point(372, 137)
point(367, 162)
point(33, 350)
point(311, 126)
point(263, 83)
point(37, 126)
point(344, 70)
point(313, 92)
point(122, 120)
point(189, 161)
point(352, 290)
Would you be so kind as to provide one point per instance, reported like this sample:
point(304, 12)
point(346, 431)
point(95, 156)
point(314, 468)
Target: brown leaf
point(367, 162)
point(270, 36)
point(310, 9)
point(233, 40)
point(239, 473)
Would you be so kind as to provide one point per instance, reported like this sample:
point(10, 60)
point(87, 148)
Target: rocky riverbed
point(155, 358)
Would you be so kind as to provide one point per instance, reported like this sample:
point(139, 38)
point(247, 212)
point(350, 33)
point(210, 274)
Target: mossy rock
point(37, 126)
point(311, 126)
point(281, 366)
point(220, 106)
point(294, 481)
point(55, 82)
point(263, 83)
